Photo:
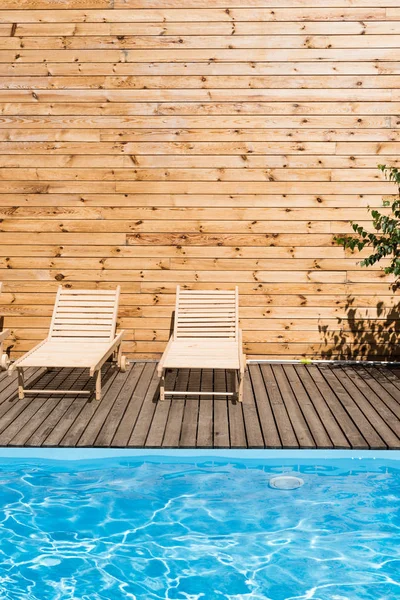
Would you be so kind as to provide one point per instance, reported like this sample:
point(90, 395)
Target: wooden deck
point(285, 406)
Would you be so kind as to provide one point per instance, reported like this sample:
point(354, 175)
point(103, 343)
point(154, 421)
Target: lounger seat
point(206, 336)
point(82, 334)
point(194, 354)
point(67, 354)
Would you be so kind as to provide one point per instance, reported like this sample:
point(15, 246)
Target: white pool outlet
point(286, 482)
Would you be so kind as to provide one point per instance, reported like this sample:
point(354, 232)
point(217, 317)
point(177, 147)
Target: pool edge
point(78, 454)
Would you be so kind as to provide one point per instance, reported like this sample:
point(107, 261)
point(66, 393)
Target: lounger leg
point(241, 382)
point(162, 386)
point(21, 394)
point(98, 385)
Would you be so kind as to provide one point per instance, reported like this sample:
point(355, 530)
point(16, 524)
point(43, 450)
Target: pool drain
point(286, 482)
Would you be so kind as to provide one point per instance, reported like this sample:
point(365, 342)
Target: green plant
point(386, 241)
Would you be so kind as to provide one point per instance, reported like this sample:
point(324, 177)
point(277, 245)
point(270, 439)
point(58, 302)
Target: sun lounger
point(82, 334)
point(206, 336)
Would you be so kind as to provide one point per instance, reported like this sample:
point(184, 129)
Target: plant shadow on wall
point(374, 335)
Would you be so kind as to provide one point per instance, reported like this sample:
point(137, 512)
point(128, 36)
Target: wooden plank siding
point(206, 143)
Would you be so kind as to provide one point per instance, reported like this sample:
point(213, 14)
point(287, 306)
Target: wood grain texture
point(205, 143)
point(284, 406)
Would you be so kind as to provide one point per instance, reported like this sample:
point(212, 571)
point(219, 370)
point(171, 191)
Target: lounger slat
point(205, 319)
point(206, 336)
point(209, 293)
point(66, 292)
point(78, 321)
point(82, 334)
point(86, 318)
point(78, 327)
point(83, 303)
point(88, 334)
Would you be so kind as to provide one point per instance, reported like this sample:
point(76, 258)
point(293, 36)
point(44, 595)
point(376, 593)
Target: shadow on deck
point(285, 406)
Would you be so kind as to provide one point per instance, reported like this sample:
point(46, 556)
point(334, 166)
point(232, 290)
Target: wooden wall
point(200, 142)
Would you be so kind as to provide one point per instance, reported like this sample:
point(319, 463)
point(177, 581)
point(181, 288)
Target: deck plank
point(157, 428)
point(221, 415)
point(296, 417)
point(173, 427)
point(191, 413)
point(55, 436)
point(284, 406)
point(393, 375)
point(126, 425)
point(205, 426)
point(25, 410)
point(45, 412)
point(116, 414)
point(237, 431)
point(384, 388)
point(9, 395)
point(369, 433)
point(286, 431)
point(101, 412)
point(381, 418)
point(85, 416)
point(336, 435)
point(252, 426)
point(58, 414)
point(264, 410)
point(146, 413)
point(315, 425)
point(350, 430)
point(8, 385)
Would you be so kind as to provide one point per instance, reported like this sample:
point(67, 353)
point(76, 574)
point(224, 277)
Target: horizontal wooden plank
point(263, 200)
point(185, 264)
point(194, 28)
point(154, 143)
point(247, 174)
point(25, 104)
point(304, 68)
point(209, 42)
point(175, 226)
point(157, 124)
point(212, 14)
point(217, 95)
point(197, 55)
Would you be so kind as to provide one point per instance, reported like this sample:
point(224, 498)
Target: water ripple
point(138, 530)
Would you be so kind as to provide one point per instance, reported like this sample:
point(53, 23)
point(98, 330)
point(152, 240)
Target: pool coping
point(84, 454)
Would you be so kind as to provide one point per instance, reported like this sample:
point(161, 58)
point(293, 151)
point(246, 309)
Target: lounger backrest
point(89, 315)
point(206, 314)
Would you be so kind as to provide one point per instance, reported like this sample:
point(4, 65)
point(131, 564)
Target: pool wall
point(168, 455)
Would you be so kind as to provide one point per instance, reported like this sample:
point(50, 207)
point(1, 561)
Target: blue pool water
point(199, 528)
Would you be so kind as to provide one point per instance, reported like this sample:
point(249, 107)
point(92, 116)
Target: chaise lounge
point(206, 335)
point(82, 335)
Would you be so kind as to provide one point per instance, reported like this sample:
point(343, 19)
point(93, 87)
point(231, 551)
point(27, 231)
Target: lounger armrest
point(160, 365)
point(108, 351)
point(3, 334)
point(15, 364)
point(242, 357)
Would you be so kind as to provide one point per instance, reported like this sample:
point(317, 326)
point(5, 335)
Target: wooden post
point(98, 385)
point(21, 394)
point(241, 385)
point(162, 386)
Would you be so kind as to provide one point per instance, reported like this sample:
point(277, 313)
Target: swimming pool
point(199, 526)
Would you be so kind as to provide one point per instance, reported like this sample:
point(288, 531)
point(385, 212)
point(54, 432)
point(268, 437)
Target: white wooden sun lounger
point(4, 360)
point(82, 334)
point(206, 336)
